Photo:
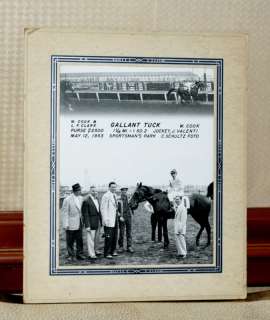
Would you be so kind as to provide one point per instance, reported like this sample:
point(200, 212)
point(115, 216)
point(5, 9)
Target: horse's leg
point(154, 225)
point(199, 235)
point(159, 230)
point(165, 233)
point(208, 230)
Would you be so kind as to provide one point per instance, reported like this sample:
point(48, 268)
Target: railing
point(142, 95)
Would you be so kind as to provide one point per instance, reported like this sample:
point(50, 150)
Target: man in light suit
point(72, 223)
point(180, 222)
point(92, 221)
point(109, 214)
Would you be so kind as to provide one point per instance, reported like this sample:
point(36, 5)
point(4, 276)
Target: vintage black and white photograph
point(136, 165)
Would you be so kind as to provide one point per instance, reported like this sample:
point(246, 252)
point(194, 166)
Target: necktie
point(115, 199)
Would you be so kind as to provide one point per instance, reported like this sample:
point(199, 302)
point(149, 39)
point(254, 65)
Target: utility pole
point(205, 86)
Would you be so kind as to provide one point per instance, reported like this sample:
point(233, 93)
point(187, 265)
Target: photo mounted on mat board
point(136, 158)
point(136, 148)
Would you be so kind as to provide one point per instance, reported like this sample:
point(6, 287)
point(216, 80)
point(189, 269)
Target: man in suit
point(72, 223)
point(92, 220)
point(125, 220)
point(109, 214)
point(180, 222)
point(98, 231)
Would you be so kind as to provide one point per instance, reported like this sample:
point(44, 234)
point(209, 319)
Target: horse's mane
point(150, 190)
point(147, 189)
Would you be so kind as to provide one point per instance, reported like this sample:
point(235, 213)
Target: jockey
point(175, 185)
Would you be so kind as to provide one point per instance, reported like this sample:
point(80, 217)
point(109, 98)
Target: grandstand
point(134, 86)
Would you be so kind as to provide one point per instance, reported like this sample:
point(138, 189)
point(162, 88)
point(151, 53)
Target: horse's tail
point(210, 190)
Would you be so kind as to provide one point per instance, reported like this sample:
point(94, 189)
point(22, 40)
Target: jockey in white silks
point(176, 188)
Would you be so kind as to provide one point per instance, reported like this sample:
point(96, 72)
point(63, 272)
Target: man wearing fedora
point(109, 212)
point(72, 223)
point(124, 221)
point(92, 221)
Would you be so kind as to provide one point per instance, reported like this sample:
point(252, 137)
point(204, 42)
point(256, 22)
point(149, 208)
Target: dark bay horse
point(188, 94)
point(160, 203)
point(194, 89)
point(182, 94)
point(200, 207)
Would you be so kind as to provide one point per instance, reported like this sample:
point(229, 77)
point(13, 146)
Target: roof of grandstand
point(128, 76)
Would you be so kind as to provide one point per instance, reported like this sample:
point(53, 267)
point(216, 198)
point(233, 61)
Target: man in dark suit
point(92, 220)
point(125, 221)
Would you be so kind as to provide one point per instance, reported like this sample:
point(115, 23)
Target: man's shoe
point(130, 250)
point(115, 254)
point(120, 250)
point(70, 259)
point(98, 253)
point(109, 256)
point(79, 257)
point(92, 259)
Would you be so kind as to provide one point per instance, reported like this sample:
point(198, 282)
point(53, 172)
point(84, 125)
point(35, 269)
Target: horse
point(161, 206)
point(194, 89)
point(199, 209)
point(185, 94)
point(65, 86)
point(182, 94)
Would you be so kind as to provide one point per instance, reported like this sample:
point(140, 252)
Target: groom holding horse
point(199, 208)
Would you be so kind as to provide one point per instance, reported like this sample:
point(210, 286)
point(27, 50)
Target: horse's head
point(138, 196)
